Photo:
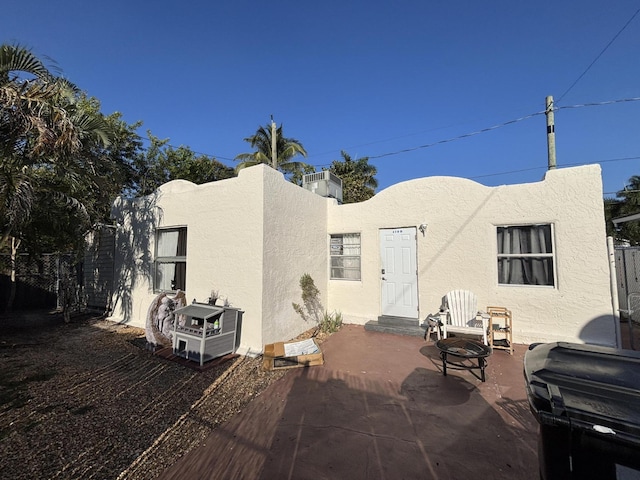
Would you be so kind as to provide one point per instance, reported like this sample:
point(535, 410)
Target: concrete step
point(413, 330)
point(397, 321)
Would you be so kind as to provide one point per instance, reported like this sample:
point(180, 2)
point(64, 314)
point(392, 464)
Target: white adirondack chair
point(460, 315)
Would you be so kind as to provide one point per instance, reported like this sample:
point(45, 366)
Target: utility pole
point(551, 133)
point(274, 151)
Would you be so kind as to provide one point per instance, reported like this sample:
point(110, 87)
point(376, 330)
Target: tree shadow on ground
point(323, 423)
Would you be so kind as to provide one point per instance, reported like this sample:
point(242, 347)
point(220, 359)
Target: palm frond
point(94, 126)
point(14, 58)
point(72, 204)
point(286, 149)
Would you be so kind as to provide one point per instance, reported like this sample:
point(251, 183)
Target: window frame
point(547, 255)
point(335, 246)
point(170, 259)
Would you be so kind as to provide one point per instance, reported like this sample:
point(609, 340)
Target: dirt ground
point(85, 400)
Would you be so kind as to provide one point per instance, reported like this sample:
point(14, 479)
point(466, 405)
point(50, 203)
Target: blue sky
point(368, 77)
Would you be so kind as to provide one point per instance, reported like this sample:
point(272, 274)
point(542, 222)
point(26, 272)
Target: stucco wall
point(459, 250)
point(295, 243)
point(250, 238)
point(254, 236)
point(224, 245)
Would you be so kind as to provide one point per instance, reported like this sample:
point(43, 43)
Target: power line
point(504, 124)
point(466, 135)
point(511, 172)
point(144, 137)
point(508, 173)
point(383, 140)
point(623, 190)
point(599, 55)
point(448, 140)
point(598, 104)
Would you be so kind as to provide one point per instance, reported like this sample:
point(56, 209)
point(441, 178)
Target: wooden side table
point(500, 328)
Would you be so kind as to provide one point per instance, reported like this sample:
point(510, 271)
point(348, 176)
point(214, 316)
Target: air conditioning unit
point(324, 183)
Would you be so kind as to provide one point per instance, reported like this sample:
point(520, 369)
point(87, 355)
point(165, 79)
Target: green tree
point(627, 202)
point(162, 163)
point(46, 128)
point(107, 172)
point(52, 153)
point(278, 154)
point(358, 178)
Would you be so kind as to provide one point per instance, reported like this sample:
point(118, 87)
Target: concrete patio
point(379, 408)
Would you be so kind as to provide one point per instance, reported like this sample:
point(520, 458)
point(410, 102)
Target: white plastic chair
point(461, 315)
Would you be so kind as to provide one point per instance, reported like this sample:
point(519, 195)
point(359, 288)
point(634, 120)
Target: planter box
point(305, 353)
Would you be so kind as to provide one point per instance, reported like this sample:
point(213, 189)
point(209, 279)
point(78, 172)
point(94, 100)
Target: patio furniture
point(500, 331)
point(460, 315)
point(433, 324)
point(465, 349)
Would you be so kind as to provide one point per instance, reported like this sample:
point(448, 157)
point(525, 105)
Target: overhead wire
point(500, 125)
point(459, 137)
point(144, 137)
point(477, 132)
point(598, 56)
point(510, 172)
point(484, 130)
point(598, 104)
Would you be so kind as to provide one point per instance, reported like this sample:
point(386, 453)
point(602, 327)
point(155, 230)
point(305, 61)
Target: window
point(171, 260)
point(345, 256)
point(525, 255)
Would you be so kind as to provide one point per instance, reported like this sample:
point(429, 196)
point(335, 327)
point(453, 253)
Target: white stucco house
point(538, 249)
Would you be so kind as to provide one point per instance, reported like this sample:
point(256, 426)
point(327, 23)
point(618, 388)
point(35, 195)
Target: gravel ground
point(83, 401)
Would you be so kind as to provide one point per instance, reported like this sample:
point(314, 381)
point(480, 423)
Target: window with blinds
point(345, 256)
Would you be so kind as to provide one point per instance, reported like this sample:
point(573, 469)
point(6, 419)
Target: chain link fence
point(46, 281)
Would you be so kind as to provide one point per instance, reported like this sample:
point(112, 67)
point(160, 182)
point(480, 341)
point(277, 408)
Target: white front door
point(399, 272)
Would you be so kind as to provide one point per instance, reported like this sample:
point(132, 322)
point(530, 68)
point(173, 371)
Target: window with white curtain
point(525, 255)
point(171, 260)
point(345, 256)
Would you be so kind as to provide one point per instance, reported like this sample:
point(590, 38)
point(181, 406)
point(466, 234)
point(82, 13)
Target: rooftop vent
point(324, 183)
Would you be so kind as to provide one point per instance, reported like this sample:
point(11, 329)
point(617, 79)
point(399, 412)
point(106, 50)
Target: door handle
point(383, 278)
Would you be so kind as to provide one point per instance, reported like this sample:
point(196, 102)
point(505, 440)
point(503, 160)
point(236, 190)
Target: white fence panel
point(628, 273)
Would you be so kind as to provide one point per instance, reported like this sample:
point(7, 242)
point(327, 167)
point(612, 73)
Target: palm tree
point(45, 134)
point(358, 178)
point(273, 149)
point(42, 131)
point(626, 203)
point(631, 194)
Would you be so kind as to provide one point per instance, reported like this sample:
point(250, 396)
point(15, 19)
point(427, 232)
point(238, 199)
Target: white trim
point(628, 218)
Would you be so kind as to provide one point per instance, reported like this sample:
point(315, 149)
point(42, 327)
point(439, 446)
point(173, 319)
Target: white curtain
point(165, 274)
point(168, 243)
point(530, 269)
point(171, 274)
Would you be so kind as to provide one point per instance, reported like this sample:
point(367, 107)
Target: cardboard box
point(305, 353)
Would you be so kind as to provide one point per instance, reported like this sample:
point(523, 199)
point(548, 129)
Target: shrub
point(331, 322)
point(311, 308)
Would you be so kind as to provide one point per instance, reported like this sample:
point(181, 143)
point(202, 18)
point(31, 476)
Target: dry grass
point(82, 401)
